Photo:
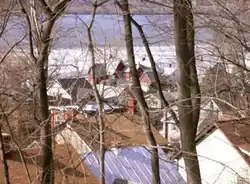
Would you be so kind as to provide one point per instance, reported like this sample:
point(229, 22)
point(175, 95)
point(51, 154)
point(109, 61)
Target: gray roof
point(150, 74)
point(74, 82)
point(100, 69)
point(133, 164)
point(169, 96)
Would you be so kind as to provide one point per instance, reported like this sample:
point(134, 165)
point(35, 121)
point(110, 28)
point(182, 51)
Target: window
point(170, 65)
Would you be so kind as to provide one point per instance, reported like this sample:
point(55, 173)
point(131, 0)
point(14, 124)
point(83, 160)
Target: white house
point(208, 113)
point(55, 89)
point(224, 153)
point(70, 136)
point(154, 101)
point(109, 92)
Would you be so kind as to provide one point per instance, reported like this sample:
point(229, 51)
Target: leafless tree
point(188, 86)
point(40, 39)
point(98, 98)
point(138, 93)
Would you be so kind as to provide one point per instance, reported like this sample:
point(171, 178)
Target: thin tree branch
point(10, 49)
point(59, 8)
point(138, 93)
point(97, 96)
point(46, 6)
point(6, 18)
point(155, 73)
point(30, 32)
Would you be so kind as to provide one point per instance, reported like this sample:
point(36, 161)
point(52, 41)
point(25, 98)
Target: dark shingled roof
point(79, 82)
point(100, 69)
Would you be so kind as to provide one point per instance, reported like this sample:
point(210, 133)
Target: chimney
point(165, 125)
point(131, 105)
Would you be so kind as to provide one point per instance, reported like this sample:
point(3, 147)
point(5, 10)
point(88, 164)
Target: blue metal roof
point(133, 164)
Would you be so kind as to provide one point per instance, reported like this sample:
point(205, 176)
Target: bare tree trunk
point(43, 109)
point(188, 108)
point(138, 93)
point(195, 87)
point(156, 76)
point(3, 158)
point(43, 41)
point(97, 97)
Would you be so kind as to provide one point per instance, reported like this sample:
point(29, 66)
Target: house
point(67, 166)
point(172, 78)
point(148, 81)
point(77, 87)
point(110, 93)
point(132, 165)
point(154, 101)
point(56, 93)
point(100, 73)
point(127, 73)
point(227, 87)
point(141, 69)
point(60, 114)
point(210, 111)
point(121, 130)
point(115, 69)
point(223, 150)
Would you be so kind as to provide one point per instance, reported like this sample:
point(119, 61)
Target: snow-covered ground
point(78, 61)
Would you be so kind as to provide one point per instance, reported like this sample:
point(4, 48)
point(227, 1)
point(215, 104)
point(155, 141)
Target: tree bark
point(156, 76)
point(138, 93)
point(99, 101)
point(195, 87)
point(43, 109)
point(188, 87)
point(3, 158)
point(43, 38)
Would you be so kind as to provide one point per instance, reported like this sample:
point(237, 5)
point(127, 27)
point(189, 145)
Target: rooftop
point(236, 130)
point(133, 164)
point(109, 91)
point(80, 82)
point(68, 167)
point(150, 75)
point(121, 130)
point(238, 133)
